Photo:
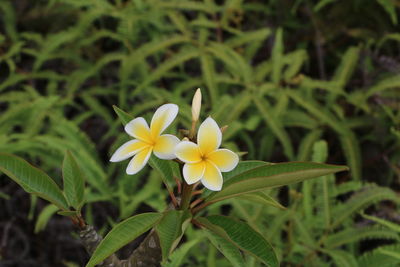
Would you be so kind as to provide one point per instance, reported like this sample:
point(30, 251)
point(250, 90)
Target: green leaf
point(350, 235)
point(230, 251)
point(379, 257)
point(275, 125)
point(122, 115)
point(242, 236)
point(44, 217)
point(390, 8)
point(170, 230)
point(74, 181)
point(68, 213)
point(342, 258)
point(388, 224)
point(273, 175)
point(123, 233)
point(346, 68)
point(165, 170)
point(277, 57)
point(32, 179)
point(262, 198)
point(208, 71)
point(177, 257)
point(360, 200)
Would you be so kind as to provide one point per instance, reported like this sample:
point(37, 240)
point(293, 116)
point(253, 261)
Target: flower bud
point(196, 105)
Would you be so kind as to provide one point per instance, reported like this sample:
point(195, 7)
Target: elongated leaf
point(342, 258)
point(390, 8)
point(277, 57)
point(177, 257)
point(208, 71)
point(346, 68)
point(165, 170)
point(242, 236)
point(262, 198)
point(170, 230)
point(362, 199)
point(32, 179)
point(122, 115)
point(74, 181)
point(354, 235)
point(230, 251)
point(275, 125)
point(44, 217)
point(388, 224)
point(122, 234)
point(377, 257)
point(242, 167)
point(273, 175)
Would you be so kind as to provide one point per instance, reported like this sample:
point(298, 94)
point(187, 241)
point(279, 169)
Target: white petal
point(138, 161)
point(192, 172)
point(209, 136)
point(162, 118)
point(139, 129)
point(164, 147)
point(188, 152)
point(224, 159)
point(212, 178)
point(127, 150)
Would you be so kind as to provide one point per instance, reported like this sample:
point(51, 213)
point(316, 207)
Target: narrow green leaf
point(122, 115)
point(74, 181)
point(123, 233)
point(388, 224)
point(165, 170)
point(390, 8)
point(273, 175)
point(378, 257)
point(346, 68)
point(230, 251)
point(208, 71)
point(179, 254)
point(32, 179)
point(351, 235)
point(275, 125)
point(360, 200)
point(68, 213)
point(342, 258)
point(242, 236)
point(242, 167)
point(262, 198)
point(170, 230)
point(277, 57)
point(44, 217)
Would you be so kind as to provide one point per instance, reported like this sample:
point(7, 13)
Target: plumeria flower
point(204, 161)
point(148, 139)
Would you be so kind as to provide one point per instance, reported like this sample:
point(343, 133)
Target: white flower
point(148, 139)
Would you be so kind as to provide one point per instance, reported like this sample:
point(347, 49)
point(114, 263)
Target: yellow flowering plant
point(207, 174)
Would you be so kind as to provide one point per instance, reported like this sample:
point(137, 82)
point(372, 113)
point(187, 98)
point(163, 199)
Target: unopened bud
point(196, 105)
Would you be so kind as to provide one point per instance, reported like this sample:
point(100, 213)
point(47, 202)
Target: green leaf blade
point(122, 234)
point(74, 181)
point(32, 179)
point(230, 252)
point(242, 236)
point(273, 175)
point(170, 229)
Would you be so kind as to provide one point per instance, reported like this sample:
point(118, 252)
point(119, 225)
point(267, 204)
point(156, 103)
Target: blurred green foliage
point(282, 74)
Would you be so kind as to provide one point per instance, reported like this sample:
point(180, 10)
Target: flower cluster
point(203, 161)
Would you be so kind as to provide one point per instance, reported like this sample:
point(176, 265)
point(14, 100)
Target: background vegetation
point(294, 80)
